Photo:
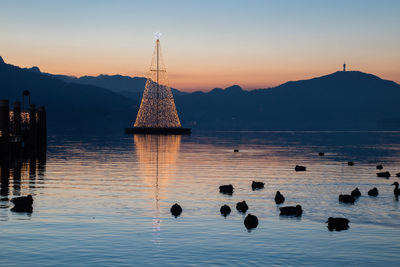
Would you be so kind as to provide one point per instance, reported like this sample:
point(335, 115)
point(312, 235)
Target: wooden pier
point(22, 133)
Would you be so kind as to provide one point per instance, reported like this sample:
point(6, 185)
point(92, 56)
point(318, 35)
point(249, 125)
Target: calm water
point(104, 199)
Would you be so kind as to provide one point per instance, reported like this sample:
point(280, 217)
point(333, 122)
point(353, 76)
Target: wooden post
point(17, 118)
point(41, 128)
point(17, 167)
point(42, 140)
point(32, 128)
point(4, 147)
point(32, 167)
point(4, 129)
point(4, 178)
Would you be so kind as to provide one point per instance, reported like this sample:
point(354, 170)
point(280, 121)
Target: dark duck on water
point(242, 206)
point(346, 199)
point(356, 192)
point(250, 221)
point(279, 198)
point(22, 204)
point(291, 211)
point(299, 168)
point(338, 224)
point(396, 190)
point(176, 210)
point(383, 174)
point(225, 210)
point(257, 185)
point(373, 192)
point(226, 189)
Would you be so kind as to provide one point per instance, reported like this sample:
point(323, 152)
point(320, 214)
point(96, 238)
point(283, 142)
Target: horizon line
point(197, 89)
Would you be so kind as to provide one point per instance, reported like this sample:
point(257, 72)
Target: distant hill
point(350, 100)
point(68, 104)
point(339, 101)
point(131, 87)
point(115, 83)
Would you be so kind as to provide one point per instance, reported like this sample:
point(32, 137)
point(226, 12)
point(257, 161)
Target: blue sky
point(206, 44)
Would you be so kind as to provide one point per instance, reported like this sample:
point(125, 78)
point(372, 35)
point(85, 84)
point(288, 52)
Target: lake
point(104, 198)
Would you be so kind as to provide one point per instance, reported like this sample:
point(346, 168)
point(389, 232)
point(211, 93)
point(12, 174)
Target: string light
point(157, 108)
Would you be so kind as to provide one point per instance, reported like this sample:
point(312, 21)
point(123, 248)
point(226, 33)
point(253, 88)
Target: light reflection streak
point(157, 155)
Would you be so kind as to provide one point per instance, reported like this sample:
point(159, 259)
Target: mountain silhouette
point(116, 83)
point(70, 104)
point(131, 87)
point(339, 101)
point(350, 100)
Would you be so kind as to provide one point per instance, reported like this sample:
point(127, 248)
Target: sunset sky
point(206, 44)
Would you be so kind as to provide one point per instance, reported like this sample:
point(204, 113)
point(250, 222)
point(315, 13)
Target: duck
point(396, 190)
point(279, 198)
point(350, 163)
point(346, 199)
point(242, 206)
point(236, 150)
point(225, 210)
point(379, 167)
point(383, 174)
point(321, 154)
point(22, 204)
point(176, 210)
point(356, 192)
point(299, 168)
point(398, 175)
point(251, 221)
point(373, 192)
point(257, 185)
point(291, 211)
point(338, 224)
point(226, 189)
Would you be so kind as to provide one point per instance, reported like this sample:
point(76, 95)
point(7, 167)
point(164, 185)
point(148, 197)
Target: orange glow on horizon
point(204, 77)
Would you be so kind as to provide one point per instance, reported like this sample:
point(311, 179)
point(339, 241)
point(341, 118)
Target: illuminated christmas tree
point(157, 109)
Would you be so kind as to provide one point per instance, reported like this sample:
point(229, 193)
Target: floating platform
point(151, 130)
